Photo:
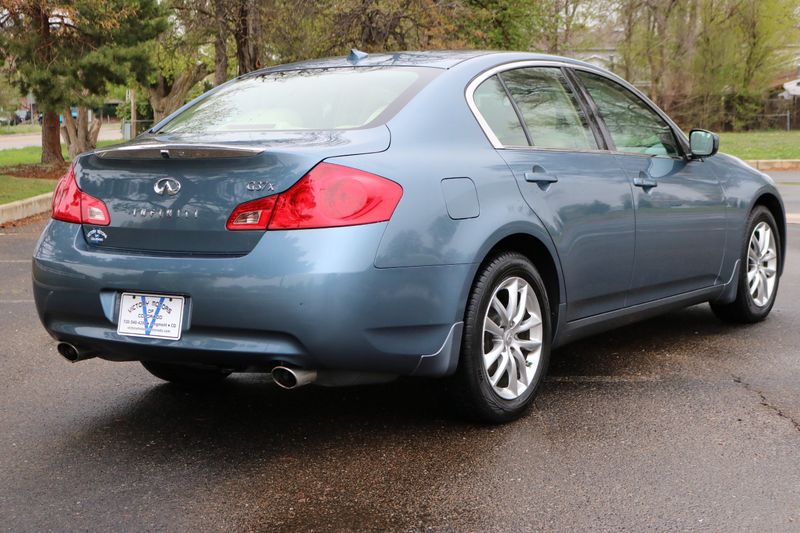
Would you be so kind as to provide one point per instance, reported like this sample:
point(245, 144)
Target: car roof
point(442, 59)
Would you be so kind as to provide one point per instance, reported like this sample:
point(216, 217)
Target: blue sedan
point(441, 214)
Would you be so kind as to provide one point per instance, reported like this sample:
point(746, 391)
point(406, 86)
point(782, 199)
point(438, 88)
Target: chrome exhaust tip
point(291, 378)
point(71, 353)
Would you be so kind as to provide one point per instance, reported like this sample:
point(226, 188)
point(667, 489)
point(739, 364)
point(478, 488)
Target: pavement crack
point(766, 403)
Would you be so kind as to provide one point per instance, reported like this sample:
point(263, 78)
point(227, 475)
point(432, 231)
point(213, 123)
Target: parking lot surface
point(678, 423)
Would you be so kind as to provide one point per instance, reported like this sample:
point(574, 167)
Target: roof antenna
point(356, 55)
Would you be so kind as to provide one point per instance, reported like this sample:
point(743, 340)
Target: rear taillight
point(328, 196)
point(70, 204)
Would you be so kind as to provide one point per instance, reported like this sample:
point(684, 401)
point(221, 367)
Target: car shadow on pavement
point(648, 348)
point(250, 407)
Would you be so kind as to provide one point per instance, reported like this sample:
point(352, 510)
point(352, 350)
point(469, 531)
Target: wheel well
point(539, 255)
point(774, 205)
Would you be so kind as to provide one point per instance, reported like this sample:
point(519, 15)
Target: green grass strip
point(13, 189)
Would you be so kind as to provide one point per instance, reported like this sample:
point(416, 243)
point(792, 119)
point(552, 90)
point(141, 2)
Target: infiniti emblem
point(167, 187)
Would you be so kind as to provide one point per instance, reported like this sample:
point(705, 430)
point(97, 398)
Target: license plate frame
point(163, 312)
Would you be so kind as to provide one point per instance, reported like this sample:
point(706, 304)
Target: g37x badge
point(260, 186)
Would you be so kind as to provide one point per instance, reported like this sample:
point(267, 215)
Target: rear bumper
point(309, 298)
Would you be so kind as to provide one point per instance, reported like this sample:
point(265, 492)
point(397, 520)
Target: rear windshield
point(314, 99)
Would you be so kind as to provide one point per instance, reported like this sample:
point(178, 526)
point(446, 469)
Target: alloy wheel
point(762, 263)
point(512, 338)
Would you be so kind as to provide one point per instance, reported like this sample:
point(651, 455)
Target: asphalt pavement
point(678, 423)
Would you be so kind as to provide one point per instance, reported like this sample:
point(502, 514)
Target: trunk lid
point(173, 194)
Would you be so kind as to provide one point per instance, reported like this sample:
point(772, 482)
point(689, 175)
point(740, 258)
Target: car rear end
point(243, 233)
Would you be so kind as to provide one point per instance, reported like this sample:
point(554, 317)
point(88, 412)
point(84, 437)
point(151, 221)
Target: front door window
point(634, 127)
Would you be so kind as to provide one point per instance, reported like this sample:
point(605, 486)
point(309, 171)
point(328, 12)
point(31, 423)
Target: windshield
point(314, 99)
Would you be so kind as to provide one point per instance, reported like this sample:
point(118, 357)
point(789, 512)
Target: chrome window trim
point(469, 92)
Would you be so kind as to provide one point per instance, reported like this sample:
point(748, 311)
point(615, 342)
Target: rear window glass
point(314, 99)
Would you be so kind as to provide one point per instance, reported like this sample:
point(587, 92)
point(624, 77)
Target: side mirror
point(703, 143)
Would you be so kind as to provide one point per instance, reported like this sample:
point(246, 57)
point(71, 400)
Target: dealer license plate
point(158, 316)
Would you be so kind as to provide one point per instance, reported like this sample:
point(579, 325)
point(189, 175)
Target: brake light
point(328, 196)
point(70, 204)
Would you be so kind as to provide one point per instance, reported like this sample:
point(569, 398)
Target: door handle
point(644, 181)
point(540, 175)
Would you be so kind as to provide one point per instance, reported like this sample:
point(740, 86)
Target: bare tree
point(80, 133)
point(168, 95)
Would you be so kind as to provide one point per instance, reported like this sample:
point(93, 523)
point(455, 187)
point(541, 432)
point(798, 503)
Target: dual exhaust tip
point(283, 376)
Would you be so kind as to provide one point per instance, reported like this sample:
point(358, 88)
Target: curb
point(25, 208)
point(793, 218)
point(774, 164)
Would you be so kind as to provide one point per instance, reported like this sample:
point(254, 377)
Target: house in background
point(791, 90)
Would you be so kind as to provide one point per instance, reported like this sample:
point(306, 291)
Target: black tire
point(470, 386)
point(189, 376)
point(744, 310)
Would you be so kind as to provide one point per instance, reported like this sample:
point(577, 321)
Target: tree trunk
point(94, 132)
point(220, 44)
point(166, 97)
point(79, 135)
point(248, 36)
point(51, 144)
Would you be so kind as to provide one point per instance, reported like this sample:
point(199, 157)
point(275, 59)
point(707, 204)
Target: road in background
point(789, 185)
point(108, 132)
point(678, 423)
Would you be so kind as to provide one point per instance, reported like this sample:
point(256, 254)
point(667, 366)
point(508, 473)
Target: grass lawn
point(32, 155)
point(12, 189)
point(761, 144)
point(20, 128)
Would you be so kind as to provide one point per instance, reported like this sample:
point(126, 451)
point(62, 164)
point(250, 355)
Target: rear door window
point(550, 108)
